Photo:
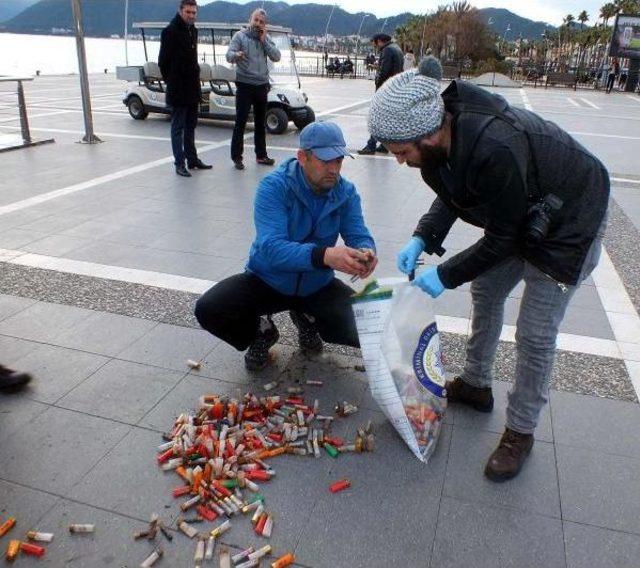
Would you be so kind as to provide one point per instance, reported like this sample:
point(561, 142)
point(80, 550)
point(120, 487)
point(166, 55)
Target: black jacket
point(391, 63)
point(502, 161)
point(178, 62)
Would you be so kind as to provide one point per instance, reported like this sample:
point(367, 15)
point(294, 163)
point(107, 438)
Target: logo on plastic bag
point(427, 363)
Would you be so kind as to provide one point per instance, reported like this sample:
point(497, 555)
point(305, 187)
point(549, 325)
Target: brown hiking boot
point(508, 458)
point(480, 399)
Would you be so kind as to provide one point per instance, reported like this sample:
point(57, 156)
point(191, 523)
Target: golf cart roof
point(217, 26)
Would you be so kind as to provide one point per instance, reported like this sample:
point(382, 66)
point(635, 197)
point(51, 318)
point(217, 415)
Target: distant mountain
point(500, 20)
point(106, 17)
point(11, 8)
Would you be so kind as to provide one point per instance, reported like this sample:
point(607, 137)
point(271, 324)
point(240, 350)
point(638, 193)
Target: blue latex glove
point(430, 282)
point(406, 259)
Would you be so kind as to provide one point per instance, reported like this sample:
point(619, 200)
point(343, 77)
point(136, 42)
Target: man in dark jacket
point(541, 199)
point(300, 210)
point(390, 63)
point(178, 62)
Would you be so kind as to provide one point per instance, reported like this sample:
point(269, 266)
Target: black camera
point(539, 218)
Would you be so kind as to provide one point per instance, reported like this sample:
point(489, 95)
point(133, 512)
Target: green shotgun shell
point(333, 452)
point(229, 483)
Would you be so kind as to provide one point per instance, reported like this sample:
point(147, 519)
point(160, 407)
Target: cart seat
point(205, 77)
point(153, 76)
point(221, 79)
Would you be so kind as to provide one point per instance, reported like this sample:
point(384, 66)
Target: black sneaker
point(381, 149)
point(366, 151)
point(257, 356)
point(11, 380)
point(308, 337)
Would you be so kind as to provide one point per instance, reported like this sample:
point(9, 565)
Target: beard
point(431, 157)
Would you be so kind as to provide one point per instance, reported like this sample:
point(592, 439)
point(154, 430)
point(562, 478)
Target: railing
point(6, 105)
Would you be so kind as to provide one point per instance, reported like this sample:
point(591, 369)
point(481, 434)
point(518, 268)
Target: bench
point(567, 79)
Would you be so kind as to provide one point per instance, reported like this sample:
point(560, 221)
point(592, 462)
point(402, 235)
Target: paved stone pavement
point(104, 250)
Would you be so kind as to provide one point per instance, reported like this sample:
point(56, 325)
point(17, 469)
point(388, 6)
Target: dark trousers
point(231, 310)
point(248, 96)
point(611, 79)
point(183, 126)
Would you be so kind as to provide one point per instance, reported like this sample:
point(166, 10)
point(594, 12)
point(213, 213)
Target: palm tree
point(582, 18)
point(607, 12)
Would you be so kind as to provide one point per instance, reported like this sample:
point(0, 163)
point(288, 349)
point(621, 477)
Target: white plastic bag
point(401, 351)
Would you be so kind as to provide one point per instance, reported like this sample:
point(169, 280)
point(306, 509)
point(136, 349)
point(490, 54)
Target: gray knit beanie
point(408, 106)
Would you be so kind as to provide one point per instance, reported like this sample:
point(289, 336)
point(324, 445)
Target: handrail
point(22, 109)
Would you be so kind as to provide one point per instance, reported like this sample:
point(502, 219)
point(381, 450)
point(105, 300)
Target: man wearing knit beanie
point(541, 199)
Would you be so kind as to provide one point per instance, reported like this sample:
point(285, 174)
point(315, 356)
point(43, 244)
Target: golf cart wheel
point(308, 119)
point(136, 108)
point(277, 120)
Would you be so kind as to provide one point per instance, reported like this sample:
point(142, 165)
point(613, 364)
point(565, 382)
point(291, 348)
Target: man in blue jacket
point(299, 211)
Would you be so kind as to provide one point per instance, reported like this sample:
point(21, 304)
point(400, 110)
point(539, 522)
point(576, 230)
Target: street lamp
point(326, 29)
point(358, 41)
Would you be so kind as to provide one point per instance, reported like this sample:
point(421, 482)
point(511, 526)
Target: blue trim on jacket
point(285, 239)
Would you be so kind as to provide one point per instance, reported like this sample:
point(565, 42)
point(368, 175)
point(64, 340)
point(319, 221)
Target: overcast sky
point(551, 11)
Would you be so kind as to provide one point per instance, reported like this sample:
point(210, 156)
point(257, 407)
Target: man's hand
point(429, 282)
point(349, 260)
point(370, 264)
point(240, 56)
point(407, 257)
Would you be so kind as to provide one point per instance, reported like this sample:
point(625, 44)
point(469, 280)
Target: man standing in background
point(390, 63)
point(249, 49)
point(178, 62)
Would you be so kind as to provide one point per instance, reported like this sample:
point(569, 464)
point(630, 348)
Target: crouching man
point(299, 211)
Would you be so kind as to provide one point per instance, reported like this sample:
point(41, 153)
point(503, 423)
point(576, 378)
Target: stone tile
point(598, 424)
point(60, 447)
point(170, 347)
point(600, 490)
point(225, 363)
point(582, 321)
point(55, 245)
point(13, 349)
point(465, 417)
point(43, 321)
point(26, 505)
point(475, 535)
point(184, 397)
point(110, 545)
point(10, 305)
point(128, 480)
point(409, 487)
point(57, 370)
point(122, 391)
point(534, 490)
point(17, 411)
point(17, 238)
point(104, 333)
point(592, 546)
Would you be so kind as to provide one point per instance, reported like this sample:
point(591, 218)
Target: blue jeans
point(542, 309)
point(183, 125)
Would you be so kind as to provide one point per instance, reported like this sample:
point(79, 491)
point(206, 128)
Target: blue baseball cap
point(325, 140)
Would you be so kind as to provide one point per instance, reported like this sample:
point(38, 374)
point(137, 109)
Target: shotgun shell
point(186, 528)
point(221, 529)
point(331, 450)
point(314, 383)
point(211, 545)
point(198, 557)
point(190, 503)
point(81, 528)
point(284, 561)
point(268, 527)
point(12, 550)
point(249, 564)
point(242, 556)
point(32, 549)
point(7, 526)
point(40, 536)
point(207, 513)
point(340, 485)
point(224, 557)
point(181, 491)
point(261, 522)
point(266, 549)
point(152, 558)
point(257, 513)
point(270, 386)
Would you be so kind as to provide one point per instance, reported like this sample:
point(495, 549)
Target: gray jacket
point(252, 69)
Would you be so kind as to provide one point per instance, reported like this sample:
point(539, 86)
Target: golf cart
point(286, 102)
